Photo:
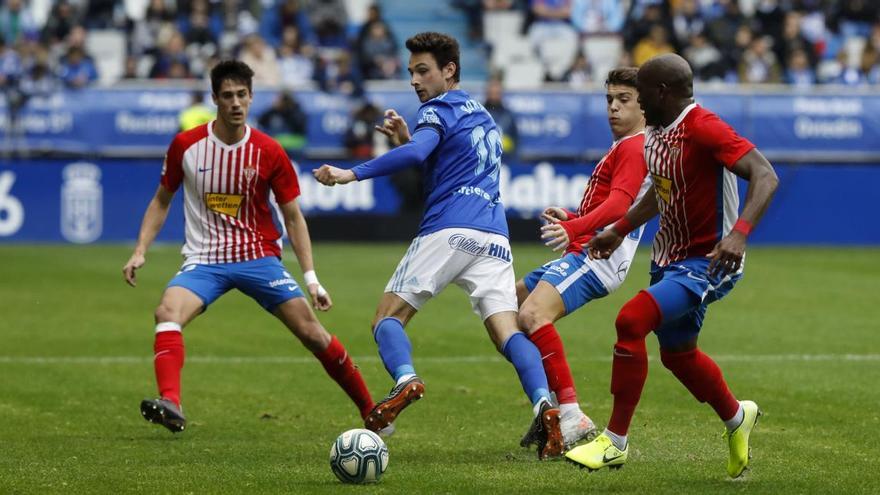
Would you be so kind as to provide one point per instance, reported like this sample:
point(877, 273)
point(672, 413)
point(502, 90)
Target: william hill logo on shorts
point(227, 204)
point(469, 245)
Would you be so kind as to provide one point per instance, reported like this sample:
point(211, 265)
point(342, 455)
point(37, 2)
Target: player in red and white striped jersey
point(562, 286)
point(229, 171)
point(693, 158)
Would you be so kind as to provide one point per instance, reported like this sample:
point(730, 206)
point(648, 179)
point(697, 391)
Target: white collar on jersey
point(680, 117)
point(247, 135)
point(624, 138)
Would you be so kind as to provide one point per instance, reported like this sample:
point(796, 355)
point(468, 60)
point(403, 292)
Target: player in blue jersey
point(463, 236)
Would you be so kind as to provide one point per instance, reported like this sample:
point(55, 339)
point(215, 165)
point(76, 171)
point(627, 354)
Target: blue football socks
point(394, 348)
point(520, 351)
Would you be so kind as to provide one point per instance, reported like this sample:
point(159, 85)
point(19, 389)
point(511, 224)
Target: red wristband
point(743, 227)
point(622, 227)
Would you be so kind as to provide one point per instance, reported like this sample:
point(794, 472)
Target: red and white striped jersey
point(226, 193)
point(623, 168)
point(689, 162)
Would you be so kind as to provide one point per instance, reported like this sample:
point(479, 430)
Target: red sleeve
point(725, 144)
point(283, 181)
point(614, 207)
point(172, 168)
point(630, 168)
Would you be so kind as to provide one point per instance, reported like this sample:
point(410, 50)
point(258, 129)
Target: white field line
point(89, 360)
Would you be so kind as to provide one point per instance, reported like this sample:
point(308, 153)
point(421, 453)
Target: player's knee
point(631, 323)
point(166, 313)
point(530, 318)
point(313, 336)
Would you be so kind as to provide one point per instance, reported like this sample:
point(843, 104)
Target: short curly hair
point(443, 47)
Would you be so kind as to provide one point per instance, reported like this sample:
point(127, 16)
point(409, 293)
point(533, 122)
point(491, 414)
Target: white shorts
point(479, 262)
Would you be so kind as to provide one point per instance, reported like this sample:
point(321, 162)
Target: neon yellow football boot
point(738, 439)
point(597, 454)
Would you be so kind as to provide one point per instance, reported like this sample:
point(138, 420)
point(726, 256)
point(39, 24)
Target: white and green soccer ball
point(358, 456)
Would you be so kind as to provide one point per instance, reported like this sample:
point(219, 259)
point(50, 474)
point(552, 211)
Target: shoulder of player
point(701, 116)
point(184, 139)
point(267, 143)
point(631, 145)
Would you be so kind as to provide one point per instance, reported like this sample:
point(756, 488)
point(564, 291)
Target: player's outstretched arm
point(727, 255)
point(298, 233)
point(154, 219)
point(411, 154)
point(601, 246)
point(394, 126)
point(558, 234)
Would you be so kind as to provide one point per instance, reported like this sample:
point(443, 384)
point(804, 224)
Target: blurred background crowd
point(338, 44)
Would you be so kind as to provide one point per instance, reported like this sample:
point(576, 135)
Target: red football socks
point(168, 360)
point(629, 368)
point(547, 340)
point(339, 366)
point(702, 377)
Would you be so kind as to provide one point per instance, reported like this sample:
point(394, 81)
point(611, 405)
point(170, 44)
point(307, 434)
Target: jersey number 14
point(488, 148)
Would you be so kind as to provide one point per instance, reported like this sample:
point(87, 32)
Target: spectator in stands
point(377, 53)
point(503, 117)
point(262, 59)
point(759, 63)
point(39, 82)
point(144, 38)
point(769, 17)
point(10, 65)
point(99, 13)
point(172, 62)
point(360, 138)
point(289, 13)
point(687, 21)
point(798, 71)
point(551, 20)
point(706, 60)
point(643, 15)
point(580, 73)
point(656, 43)
point(337, 74)
point(856, 16)
point(197, 113)
point(792, 40)
point(722, 32)
point(76, 69)
point(62, 18)
point(17, 22)
point(295, 60)
point(286, 122)
point(597, 16)
point(329, 19)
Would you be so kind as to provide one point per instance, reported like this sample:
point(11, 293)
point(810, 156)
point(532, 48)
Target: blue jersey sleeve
point(408, 155)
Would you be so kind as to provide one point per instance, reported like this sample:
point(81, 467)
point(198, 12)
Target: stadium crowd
point(43, 43)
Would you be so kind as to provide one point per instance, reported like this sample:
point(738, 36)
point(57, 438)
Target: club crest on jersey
point(663, 187)
point(226, 204)
point(250, 171)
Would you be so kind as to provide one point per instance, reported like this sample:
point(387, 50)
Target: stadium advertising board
point(80, 201)
point(551, 124)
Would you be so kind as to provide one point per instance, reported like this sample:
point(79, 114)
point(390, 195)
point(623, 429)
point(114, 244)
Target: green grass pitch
point(799, 335)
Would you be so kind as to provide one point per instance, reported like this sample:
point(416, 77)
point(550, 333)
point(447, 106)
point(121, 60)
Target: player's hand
point(394, 126)
point(554, 214)
point(320, 297)
point(554, 236)
point(136, 261)
point(330, 175)
point(727, 255)
point(601, 246)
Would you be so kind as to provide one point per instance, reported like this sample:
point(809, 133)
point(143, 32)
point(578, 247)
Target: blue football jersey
point(462, 173)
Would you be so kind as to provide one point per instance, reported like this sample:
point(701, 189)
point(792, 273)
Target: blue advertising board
point(552, 124)
point(103, 201)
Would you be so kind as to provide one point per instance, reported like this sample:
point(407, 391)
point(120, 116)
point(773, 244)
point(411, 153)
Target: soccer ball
point(358, 456)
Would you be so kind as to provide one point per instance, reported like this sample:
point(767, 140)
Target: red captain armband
point(743, 227)
point(622, 227)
